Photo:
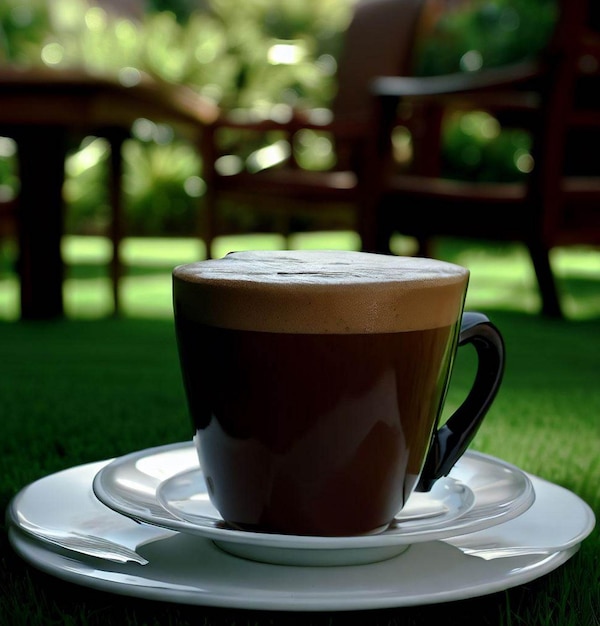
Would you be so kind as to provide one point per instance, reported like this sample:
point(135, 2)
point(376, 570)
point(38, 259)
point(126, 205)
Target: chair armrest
point(473, 84)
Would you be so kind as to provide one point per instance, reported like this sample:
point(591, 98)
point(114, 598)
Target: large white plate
point(501, 491)
point(189, 569)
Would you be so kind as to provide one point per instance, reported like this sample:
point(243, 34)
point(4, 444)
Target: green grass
point(91, 387)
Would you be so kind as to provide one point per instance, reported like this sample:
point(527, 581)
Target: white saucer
point(129, 485)
point(186, 497)
point(188, 569)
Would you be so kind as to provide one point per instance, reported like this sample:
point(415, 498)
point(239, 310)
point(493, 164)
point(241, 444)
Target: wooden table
point(44, 110)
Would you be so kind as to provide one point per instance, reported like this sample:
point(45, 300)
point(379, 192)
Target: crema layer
point(320, 291)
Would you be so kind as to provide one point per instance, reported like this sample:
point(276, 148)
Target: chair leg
point(546, 281)
point(207, 218)
point(116, 140)
point(424, 246)
point(376, 232)
point(40, 219)
point(208, 221)
point(381, 243)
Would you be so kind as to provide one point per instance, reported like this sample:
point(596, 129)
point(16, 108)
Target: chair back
point(565, 182)
point(378, 42)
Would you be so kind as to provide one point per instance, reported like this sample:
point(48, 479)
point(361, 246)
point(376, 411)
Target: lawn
point(91, 387)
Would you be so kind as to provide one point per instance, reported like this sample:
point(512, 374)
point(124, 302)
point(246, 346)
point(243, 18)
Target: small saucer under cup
point(130, 483)
point(185, 496)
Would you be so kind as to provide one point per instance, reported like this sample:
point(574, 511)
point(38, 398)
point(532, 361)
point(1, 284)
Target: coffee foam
point(320, 291)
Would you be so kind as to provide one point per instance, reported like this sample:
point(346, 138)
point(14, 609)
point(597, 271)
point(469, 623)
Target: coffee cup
point(316, 380)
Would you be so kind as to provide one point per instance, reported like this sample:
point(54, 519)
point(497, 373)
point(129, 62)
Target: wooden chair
point(379, 41)
point(556, 96)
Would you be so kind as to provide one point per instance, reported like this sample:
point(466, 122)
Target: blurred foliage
point(469, 36)
point(484, 33)
point(23, 28)
point(251, 54)
point(476, 148)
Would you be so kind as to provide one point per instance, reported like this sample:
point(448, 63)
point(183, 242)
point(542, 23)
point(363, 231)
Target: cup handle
point(452, 439)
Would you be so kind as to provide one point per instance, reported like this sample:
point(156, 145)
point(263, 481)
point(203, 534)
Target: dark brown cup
point(315, 382)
